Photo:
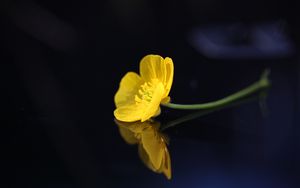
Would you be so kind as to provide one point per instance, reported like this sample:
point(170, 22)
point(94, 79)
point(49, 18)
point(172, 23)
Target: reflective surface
point(61, 65)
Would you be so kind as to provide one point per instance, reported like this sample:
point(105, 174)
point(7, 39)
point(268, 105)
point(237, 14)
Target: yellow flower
point(152, 144)
point(139, 96)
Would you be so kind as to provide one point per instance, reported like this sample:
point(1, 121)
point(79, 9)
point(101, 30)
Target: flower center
point(145, 93)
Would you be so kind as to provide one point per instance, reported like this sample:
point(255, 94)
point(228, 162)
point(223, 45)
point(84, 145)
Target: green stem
point(257, 86)
point(208, 111)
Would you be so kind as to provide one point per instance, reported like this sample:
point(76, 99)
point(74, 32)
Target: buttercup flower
point(151, 144)
point(139, 96)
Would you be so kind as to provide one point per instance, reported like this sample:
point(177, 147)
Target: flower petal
point(145, 158)
point(169, 75)
point(128, 113)
point(129, 86)
point(166, 165)
point(157, 113)
point(153, 146)
point(165, 100)
point(128, 135)
point(152, 108)
point(153, 67)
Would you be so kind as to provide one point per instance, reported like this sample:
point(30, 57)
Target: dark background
point(61, 63)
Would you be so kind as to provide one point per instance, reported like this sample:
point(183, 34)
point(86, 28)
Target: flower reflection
point(152, 144)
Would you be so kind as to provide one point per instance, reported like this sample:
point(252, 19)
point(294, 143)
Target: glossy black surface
point(61, 65)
